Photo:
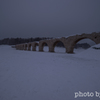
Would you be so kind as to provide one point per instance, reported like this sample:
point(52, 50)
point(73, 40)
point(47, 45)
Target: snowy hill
point(28, 75)
point(90, 53)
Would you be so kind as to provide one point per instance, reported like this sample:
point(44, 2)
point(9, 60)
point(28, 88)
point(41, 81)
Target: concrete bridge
point(69, 42)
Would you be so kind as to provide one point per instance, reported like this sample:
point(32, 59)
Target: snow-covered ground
point(30, 75)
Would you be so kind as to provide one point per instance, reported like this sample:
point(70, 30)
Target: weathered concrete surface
point(68, 42)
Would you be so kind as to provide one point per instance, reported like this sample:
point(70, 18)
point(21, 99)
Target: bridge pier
point(70, 50)
point(51, 49)
point(25, 46)
point(33, 48)
point(34, 44)
point(29, 46)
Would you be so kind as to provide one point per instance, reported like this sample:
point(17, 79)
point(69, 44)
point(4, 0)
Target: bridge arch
point(34, 44)
point(29, 46)
point(59, 43)
point(79, 39)
point(42, 44)
point(25, 46)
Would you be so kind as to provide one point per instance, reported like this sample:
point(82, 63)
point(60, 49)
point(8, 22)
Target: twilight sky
point(48, 18)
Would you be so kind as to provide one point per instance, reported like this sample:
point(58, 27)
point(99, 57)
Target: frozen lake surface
point(30, 75)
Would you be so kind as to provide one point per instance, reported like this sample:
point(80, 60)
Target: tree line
point(14, 41)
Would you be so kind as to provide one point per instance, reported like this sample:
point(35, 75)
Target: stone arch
point(34, 44)
point(42, 44)
point(29, 46)
point(55, 43)
point(25, 46)
point(77, 40)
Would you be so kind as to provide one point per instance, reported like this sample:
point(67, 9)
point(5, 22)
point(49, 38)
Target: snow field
point(30, 75)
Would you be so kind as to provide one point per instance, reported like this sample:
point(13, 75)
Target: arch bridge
point(69, 42)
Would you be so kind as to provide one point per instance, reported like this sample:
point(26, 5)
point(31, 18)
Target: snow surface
point(33, 75)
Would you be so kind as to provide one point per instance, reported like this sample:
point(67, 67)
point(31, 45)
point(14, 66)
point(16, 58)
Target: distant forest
point(14, 41)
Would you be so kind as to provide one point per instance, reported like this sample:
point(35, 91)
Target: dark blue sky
point(48, 18)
